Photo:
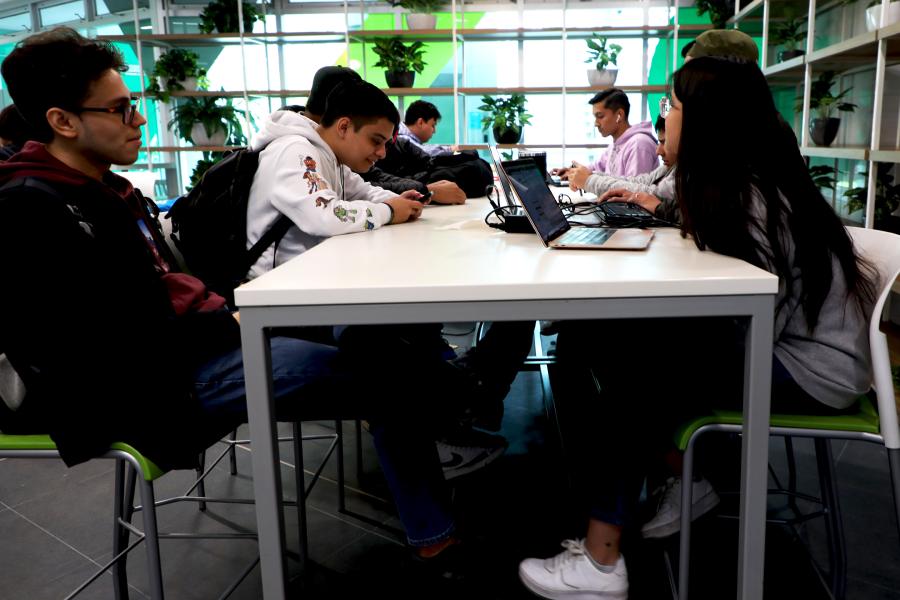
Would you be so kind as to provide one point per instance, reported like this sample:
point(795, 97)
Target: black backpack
point(209, 224)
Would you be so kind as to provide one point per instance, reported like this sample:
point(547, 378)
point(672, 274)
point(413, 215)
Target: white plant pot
point(420, 21)
point(604, 78)
point(873, 13)
point(189, 84)
point(198, 134)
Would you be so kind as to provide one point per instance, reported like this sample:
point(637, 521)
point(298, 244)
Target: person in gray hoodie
point(633, 150)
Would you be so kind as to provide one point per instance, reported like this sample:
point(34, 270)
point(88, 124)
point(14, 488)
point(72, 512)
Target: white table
point(450, 267)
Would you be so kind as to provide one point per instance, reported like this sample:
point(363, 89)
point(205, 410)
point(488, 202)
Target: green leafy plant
point(787, 33)
point(424, 7)
point(601, 53)
point(719, 11)
point(822, 100)
point(212, 115)
point(222, 16)
point(887, 193)
point(172, 68)
point(824, 176)
point(396, 57)
point(504, 114)
point(202, 166)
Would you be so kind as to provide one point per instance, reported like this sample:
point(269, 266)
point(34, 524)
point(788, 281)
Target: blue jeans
point(310, 383)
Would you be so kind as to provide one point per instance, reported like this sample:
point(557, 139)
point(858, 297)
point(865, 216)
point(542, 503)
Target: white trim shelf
point(529, 145)
point(886, 155)
point(190, 148)
point(859, 50)
point(788, 71)
point(851, 153)
point(745, 12)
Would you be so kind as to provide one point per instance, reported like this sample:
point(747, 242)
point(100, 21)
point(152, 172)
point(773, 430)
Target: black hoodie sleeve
point(398, 185)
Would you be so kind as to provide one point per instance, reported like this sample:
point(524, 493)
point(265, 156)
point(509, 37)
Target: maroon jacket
point(106, 336)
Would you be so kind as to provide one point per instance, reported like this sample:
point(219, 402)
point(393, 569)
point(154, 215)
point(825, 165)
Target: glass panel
point(15, 23)
point(542, 59)
point(62, 13)
point(491, 64)
point(105, 7)
point(315, 22)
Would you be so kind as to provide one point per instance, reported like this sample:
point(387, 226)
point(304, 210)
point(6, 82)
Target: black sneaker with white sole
point(467, 450)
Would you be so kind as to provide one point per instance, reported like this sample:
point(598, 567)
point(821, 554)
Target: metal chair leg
point(833, 525)
point(894, 467)
point(120, 534)
point(359, 452)
point(684, 548)
point(232, 459)
point(341, 481)
point(301, 495)
point(151, 540)
point(201, 485)
point(792, 474)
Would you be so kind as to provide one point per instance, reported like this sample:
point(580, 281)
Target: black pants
point(622, 387)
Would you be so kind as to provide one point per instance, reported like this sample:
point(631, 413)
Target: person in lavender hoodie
point(633, 150)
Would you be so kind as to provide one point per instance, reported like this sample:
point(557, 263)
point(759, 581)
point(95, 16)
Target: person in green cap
point(728, 43)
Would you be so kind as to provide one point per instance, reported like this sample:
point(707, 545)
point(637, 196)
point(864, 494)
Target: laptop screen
point(537, 198)
point(504, 181)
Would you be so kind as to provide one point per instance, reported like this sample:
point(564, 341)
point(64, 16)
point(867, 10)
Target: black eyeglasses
point(128, 111)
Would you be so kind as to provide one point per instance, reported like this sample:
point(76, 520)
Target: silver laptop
point(504, 182)
point(527, 184)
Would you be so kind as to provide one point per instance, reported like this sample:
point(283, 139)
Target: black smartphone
point(425, 197)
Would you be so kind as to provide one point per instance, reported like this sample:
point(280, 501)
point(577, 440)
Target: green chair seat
point(24, 443)
point(864, 420)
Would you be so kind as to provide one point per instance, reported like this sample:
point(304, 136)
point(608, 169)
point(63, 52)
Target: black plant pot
point(784, 55)
point(510, 136)
point(823, 131)
point(400, 79)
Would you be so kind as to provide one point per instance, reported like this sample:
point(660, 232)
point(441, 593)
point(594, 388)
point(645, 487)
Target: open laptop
point(504, 180)
point(527, 184)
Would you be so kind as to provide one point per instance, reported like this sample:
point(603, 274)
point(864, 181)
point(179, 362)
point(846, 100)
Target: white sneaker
point(668, 515)
point(571, 576)
point(467, 450)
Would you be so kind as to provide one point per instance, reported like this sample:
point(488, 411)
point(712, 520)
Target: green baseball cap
point(723, 42)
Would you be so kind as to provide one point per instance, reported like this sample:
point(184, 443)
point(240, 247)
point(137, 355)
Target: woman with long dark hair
point(743, 193)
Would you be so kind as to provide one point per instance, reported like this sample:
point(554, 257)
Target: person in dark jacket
point(112, 343)
point(14, 132)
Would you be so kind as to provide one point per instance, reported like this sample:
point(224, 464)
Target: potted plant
point(176, 70)
point(506, 117)
point(788, 34)
point(824, 176)
point(603, 54)
point(206, 122)
point(222, 16)
point(421, 12)
point(873, 14)
point(400, 61)
point(719, 11)
point(823, 127)
point(887, 198)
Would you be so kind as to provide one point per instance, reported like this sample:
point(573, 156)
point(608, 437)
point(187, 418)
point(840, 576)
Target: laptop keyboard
point(585, 235)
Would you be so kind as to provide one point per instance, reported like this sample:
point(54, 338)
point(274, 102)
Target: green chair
point(41, 446)
point(870, 423)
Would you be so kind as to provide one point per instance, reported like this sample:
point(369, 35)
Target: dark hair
point(613, 99)
point(420, 109)
point(716, 182)
point(687, 48)
point(660, 124)
point(55, 69)
point(324, 81)
point(362, 102)
point(13, 127)
point(297, 108)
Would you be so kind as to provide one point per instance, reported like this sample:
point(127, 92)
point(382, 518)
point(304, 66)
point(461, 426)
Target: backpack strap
point(43, 187)
point(272, 236)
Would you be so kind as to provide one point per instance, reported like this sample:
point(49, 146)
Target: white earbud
point(618, 118)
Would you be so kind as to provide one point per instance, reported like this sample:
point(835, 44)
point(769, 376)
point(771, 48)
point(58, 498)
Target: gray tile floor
point(55, 526)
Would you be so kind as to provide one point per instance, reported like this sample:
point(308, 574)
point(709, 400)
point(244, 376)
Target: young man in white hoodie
point(308, 171)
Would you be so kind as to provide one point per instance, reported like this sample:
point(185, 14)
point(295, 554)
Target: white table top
point(449, 255)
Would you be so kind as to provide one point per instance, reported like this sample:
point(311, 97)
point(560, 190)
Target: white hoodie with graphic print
point(299, 176)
